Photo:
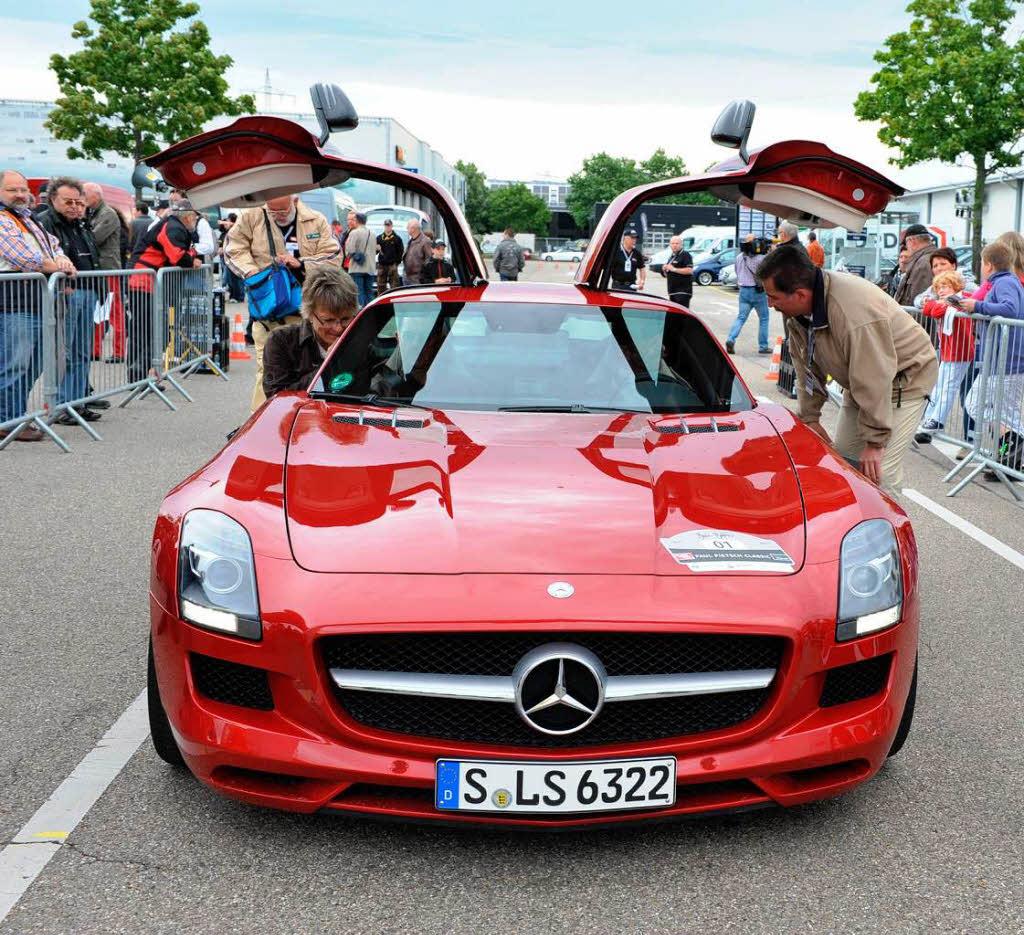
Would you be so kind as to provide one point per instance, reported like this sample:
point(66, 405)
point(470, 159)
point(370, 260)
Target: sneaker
point(730, 348)
point(932, 426)
point(764, 350)
point(97, 404)
point(923, 438)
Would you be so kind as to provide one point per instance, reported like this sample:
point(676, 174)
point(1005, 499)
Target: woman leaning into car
point(294, 353)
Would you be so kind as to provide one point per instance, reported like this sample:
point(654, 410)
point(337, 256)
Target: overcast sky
point(531, 88)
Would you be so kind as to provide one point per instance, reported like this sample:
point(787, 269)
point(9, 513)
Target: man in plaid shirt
point(24, 248)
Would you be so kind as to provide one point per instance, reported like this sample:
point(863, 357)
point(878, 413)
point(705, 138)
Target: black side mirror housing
point(733, 125)
point(334, 111)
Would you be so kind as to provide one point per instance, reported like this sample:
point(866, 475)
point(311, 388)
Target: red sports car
point(529, 553)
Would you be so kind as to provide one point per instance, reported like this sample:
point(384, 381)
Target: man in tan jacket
point(300, 236)
point(846, 327)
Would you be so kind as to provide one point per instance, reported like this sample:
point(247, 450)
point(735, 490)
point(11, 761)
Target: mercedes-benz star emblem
point(561, 589)
point(559, 688)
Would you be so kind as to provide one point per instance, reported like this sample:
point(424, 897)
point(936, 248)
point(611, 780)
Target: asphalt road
point(932, 844)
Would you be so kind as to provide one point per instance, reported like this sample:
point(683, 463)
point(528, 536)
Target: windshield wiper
point(575, 407)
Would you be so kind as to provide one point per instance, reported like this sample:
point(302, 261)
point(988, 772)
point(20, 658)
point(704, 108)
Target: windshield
point(493, 356)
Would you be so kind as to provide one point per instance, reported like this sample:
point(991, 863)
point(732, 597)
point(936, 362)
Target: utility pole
point(268, 91)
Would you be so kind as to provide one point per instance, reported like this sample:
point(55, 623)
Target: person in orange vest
point(815, 250)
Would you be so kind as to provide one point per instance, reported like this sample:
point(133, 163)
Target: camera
point(756, 247)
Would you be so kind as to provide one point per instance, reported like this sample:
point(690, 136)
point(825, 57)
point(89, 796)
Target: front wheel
point(547, 259)
point(903, 731)
point(705, 278)
point(159, 727)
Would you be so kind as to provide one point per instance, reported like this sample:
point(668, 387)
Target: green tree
point(660, 167)
point(517, 207)
point(602, 177)
point(951, 86)
point(477, 194)
point(136, 83)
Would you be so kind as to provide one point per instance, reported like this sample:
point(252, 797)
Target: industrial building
point(26, 145)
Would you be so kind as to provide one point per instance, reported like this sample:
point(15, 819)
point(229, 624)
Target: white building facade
point(942, 206)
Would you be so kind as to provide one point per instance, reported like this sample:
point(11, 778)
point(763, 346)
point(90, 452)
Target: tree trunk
point(980, 174)
point(138, 159)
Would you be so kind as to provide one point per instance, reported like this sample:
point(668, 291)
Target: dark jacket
point(436, 269)
point(75, 239)
point(140, 226)
point(417, 255)
point(106, 231)
point(391, 250)
point(291, 358)
point(917, 278)
point(170, 243)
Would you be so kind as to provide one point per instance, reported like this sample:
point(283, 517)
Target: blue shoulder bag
point(273, 292)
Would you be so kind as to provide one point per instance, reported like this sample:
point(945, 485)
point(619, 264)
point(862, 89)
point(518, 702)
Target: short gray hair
point(789, 229)
point(63, 181)
point(330, 288)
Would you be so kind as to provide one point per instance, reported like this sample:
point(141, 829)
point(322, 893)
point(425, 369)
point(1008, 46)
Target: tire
point(159, 727)
point(705, 278)
point(903, 731)
point(547, 259)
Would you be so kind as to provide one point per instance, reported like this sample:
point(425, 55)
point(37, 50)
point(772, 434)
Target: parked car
point(658, 260)
point(387, 594)
point(706, 271)
point(567, 254)
point(727, 275)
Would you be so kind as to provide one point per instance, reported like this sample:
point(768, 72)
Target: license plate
point(572, 786)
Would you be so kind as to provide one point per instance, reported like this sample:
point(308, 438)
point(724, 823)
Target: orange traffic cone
point(238, 351)
point(773, 367)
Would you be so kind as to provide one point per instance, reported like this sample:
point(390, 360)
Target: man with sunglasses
point(294, 353)
point(65, 220)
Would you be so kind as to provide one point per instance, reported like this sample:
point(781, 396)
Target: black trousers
point(681, 298)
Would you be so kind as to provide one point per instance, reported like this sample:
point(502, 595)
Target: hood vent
point(380, 422)
point(682, 428)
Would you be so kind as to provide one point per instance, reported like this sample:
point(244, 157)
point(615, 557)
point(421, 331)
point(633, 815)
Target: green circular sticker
point(341, 381)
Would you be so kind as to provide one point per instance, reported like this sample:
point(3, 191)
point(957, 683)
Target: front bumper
point(307, 754)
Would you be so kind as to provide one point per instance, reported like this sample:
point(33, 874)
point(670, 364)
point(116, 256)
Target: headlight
point(870, 580)
point(216, 576)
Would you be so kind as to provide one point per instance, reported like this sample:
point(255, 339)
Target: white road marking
point(24, 859)
point(979, 535)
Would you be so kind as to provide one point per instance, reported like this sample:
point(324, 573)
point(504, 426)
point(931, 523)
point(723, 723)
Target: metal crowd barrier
point(70, 341)
point(977, 398)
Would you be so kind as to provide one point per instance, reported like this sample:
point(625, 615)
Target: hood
point(528, 493)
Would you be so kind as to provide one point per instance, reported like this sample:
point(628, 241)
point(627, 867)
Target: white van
point(705, 239)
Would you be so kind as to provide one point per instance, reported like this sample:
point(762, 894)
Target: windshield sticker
point(340, 382)
point(722, 550)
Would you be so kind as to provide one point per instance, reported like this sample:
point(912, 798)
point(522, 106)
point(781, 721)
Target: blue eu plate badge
point(447, 784)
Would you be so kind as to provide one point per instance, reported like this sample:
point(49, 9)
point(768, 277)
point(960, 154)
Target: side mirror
point(334, 111)
point(733, 125)
point(145, 177)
